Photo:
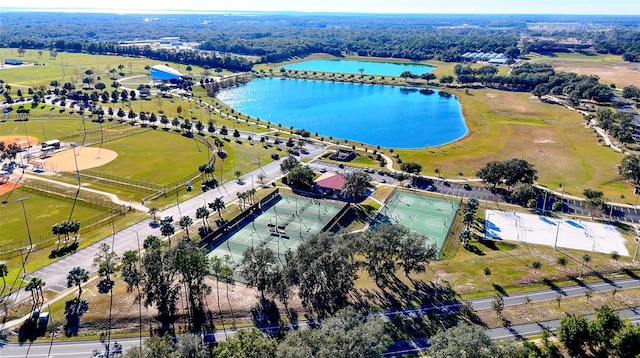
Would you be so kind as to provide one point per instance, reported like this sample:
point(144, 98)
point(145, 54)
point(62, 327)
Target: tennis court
point(425, 215)
point(282, 224)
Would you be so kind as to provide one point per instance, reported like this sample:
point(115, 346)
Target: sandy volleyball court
point(87, 158)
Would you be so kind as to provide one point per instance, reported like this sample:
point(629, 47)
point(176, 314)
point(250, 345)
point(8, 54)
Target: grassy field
point(14, 233)
point(45, 124)
point(610, 68)
point(504, 125)
point(12, 225)
point(155, 156)
point(70, 67)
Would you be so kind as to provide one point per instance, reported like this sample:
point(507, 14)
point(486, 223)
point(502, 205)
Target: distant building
point(498, 61)
point(164, 73)
point(493, 58)
point(13, 62)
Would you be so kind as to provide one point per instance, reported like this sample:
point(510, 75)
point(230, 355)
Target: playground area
point(281, 225)
point(542, 230)
point(425, 215)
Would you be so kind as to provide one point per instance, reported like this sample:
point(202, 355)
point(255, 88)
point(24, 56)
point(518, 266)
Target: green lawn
point(155, 156)
point(70, 67)
point(42, 213)
point(504, 124)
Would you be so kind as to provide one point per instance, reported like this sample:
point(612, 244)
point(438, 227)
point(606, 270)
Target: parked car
point(323, 170)
point(383, 180)
point(467, 186)
point(432, 188)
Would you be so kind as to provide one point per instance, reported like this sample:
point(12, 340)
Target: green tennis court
point(282, 224)
point(425, 215)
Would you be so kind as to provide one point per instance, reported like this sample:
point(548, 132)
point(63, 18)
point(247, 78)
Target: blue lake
point(369, 67)
point(388, 116)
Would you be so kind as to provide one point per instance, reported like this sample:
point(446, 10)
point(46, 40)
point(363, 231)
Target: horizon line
point(141, 11)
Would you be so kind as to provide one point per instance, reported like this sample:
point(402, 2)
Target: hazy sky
point(598, 7)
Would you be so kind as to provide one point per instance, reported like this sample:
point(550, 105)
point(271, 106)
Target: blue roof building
point(164, 73)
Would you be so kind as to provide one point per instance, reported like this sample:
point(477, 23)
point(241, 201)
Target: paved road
point(419, 345)
point(397, 349)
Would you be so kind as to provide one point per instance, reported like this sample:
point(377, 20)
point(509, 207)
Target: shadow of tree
point(265, 316)
point(74, 310)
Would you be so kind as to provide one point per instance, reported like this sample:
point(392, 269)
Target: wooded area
point(277, 37)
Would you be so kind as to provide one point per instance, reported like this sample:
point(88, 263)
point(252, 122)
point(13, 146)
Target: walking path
point(114, 198)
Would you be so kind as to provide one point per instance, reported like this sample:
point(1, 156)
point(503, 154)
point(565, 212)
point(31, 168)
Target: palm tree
point(76, 277)
point(252, 195)
point(261, 177)
point(167, 229)
point(185, 222)
point(73, 228)
point(217, 205)
point(202, 213)
point(39, 284)
point(585, 261)
point(241, 197)
point(31, 287)
point(238, 173)
point(153, 211)
point(58, 229)
point(35, 287)
point(4, 271)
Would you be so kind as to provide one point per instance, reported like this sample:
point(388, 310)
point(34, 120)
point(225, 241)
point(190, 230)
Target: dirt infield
point(21, 140)
point(8, 186)
point(87, 157)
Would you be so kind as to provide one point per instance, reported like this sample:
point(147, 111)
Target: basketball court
point(543, 230)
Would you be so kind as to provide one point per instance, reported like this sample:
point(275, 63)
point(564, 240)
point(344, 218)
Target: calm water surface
point(374, 114)
point(370, 68)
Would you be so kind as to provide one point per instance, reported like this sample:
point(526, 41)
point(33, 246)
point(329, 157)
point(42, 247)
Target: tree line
point(540, 79)
point(276, 37)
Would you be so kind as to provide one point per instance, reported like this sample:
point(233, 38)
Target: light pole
point(26, 134)
point(24, 210)
point(138, 287)
point(555, 244)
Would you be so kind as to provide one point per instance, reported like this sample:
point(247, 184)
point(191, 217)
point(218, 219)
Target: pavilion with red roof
point(330, 184)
